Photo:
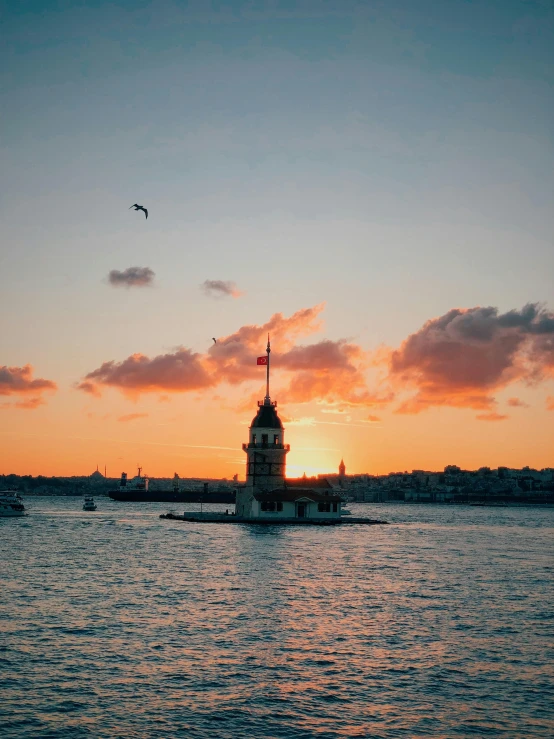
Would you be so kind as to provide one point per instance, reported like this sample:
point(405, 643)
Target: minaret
point(265, 452)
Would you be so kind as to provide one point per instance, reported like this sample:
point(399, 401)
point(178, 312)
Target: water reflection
point(125, 625)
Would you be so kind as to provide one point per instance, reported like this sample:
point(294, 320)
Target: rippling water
point(119, 624)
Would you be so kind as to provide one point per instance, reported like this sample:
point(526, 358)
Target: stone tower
point(265, 452)
point(342, 473)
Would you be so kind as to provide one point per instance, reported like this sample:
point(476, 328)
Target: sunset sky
point(371, 182)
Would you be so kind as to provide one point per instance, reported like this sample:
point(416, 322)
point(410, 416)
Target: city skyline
point(371, 186)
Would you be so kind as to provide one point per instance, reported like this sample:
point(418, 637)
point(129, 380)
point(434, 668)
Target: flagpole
point(267, 375)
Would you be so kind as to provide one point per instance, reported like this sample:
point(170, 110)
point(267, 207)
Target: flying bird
point(136, 206)
point(214, 341)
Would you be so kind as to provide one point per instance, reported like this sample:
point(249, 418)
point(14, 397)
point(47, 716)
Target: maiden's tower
point(267, 492)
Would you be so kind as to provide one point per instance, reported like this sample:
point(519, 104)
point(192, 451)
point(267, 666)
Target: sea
point(116, 623)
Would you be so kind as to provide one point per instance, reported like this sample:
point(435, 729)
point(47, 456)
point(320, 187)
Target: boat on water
point(89, 504)
point(11, 504)
point(137, 490)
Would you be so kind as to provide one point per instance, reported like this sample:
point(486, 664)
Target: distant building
point(267, 492)
point(96, 476)
point(342, 473)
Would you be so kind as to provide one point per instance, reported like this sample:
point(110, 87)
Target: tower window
point(276, 439)
point(253, 438)
point(264, 439)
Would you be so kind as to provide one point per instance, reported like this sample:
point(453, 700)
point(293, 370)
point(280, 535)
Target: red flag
point(261, 360)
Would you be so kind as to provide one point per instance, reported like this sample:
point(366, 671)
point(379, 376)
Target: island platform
point(193, 517)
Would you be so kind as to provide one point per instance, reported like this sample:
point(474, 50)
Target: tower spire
point(267, 401)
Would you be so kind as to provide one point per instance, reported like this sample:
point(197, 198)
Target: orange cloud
point(178, 372)
point(458, 360)
point(462, 358)
point(517, 403)
point(328, 370)
point(233, 358)
point(16, 381)
point(332, 371)
point(30, 404)
point(550, 403)
point(490, 417)
point(88, 387)
point(132, 417)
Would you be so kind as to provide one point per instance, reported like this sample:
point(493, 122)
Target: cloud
point(461, 360)
point(490, 417)
point(304, 421)
point(373, 419)
point(463, 357)
point(330, 371)
point(16, 381)
point(178, 372)
point(88, 387)
point(30, 404)
point(233, 358)
point(333, 371)
point(221, 289)
point(132, 417)
point(131, 277)
point(550, 403)
point(517, 403)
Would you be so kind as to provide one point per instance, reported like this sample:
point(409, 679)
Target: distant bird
point(214, 341)
point(136, 206)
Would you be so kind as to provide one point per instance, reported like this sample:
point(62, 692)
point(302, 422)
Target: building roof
point(267, 417)
point(307, 482)
point(290, 496)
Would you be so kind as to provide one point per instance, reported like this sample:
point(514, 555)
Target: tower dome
point(267, 417)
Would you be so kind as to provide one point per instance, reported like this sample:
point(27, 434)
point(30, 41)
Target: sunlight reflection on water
point(118, 624)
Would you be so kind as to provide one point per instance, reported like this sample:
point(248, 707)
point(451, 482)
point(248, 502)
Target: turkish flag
point(261, 360)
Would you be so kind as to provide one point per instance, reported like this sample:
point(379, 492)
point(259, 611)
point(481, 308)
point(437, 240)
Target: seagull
point(214, 341)
point(136, 206)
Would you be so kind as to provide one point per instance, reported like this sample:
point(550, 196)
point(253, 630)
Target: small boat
point(345, 512)
point(89, 504)
point(11, 504)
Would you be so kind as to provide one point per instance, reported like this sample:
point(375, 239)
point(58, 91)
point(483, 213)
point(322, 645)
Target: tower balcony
point(265, 445)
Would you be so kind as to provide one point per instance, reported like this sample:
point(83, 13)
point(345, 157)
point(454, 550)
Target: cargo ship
point(136, 490)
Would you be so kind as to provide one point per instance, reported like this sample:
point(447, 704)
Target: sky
point(370, 182)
